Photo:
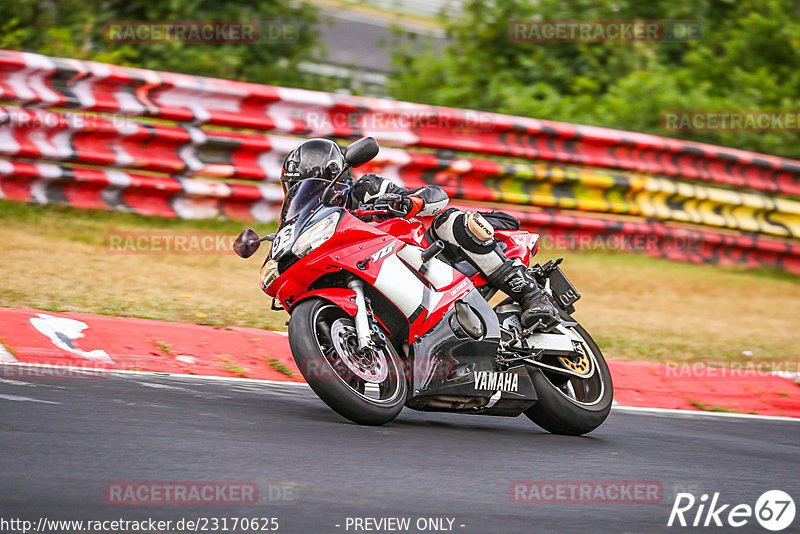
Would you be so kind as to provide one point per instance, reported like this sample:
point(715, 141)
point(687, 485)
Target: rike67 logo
point(774, 510)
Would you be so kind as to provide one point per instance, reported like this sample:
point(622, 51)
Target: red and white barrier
point(33, 79)
point(100, 161)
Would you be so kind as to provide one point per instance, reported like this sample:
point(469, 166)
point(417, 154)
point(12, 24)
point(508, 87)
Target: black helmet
point(315, 158)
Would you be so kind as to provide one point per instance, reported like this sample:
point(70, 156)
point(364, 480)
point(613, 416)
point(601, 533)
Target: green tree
point(748, 58)
point(74, 28)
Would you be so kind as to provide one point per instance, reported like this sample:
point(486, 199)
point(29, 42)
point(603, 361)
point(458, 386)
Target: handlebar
point(371, 211)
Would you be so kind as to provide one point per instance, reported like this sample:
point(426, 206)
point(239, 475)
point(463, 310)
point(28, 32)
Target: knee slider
point(466, 237)
point(479, 227)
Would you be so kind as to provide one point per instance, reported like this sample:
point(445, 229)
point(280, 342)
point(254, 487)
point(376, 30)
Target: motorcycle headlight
point(269, 273)
point(316, 235)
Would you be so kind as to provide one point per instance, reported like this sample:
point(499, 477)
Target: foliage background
point(74, 28)
point(748, 58)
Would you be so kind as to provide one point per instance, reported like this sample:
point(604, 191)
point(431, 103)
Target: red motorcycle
point(379, 322)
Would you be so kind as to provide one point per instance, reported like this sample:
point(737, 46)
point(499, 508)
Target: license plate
point(563, 290)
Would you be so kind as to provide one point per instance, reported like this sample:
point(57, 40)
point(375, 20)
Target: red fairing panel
point(520, 244)
point(422, 293)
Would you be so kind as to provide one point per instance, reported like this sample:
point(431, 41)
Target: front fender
point(343, 297)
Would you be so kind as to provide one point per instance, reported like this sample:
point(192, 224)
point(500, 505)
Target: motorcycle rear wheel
point(331, 368)
point(572, 406)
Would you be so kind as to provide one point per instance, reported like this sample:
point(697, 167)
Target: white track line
point(700, 413)
point(616, 407)
point(25, 399)
point(791, 375)
point(96, 371)
point(5, 356)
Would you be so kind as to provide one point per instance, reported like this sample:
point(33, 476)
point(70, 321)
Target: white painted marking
point(205, 188)
point(48, 170)
point(699, 413)
point(119, 178)
point(192, 208)
point(791, 375)
point(38, 68)
point(8, 145)
point(25, 399)
point(6, 356)
point(83, 88)
point(62, 332)
point(156, 374)
point(128, 103)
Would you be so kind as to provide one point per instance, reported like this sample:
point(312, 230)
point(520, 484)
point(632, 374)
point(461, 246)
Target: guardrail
point(169, 149)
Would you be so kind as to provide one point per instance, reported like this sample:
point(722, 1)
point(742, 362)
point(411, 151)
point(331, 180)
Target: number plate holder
point(564, 293)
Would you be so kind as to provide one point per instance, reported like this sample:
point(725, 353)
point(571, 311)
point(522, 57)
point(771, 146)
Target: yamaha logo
point(493, 381)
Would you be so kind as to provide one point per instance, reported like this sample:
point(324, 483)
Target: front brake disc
point(371, 366)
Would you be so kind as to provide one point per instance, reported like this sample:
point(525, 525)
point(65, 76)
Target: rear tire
point(558, 412)
point(324, 369)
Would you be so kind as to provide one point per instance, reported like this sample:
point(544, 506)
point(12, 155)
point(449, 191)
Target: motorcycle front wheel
point(366, 387)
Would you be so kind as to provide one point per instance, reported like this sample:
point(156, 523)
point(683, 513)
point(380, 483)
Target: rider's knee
point(471, 232)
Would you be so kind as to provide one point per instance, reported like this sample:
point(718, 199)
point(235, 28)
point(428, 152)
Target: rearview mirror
point(246, 244)
point(361, 151)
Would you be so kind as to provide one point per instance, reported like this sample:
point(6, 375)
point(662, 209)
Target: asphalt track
point(62, 441)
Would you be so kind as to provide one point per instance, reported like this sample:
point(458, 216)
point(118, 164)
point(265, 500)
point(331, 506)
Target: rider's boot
point(513, 279)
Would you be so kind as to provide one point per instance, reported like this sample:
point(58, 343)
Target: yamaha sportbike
point(379, 321)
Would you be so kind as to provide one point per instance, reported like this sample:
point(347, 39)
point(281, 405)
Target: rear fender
point(520, 244)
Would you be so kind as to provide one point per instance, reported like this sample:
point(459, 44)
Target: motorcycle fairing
point(447, 361)
point(380, 260)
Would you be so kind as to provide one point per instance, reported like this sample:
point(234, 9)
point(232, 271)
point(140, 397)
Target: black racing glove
point(394, 205)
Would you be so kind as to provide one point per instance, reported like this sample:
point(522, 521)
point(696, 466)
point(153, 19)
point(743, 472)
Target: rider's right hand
point(394, 205)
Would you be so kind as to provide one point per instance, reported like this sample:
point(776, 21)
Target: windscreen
point(303, 197)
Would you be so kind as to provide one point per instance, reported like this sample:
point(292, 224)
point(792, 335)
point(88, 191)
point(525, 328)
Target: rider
point(468, 235)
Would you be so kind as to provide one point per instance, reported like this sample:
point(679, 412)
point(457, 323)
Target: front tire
point(572, 406)
point(320, 336)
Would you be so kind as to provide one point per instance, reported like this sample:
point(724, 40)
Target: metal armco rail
point(165, 146)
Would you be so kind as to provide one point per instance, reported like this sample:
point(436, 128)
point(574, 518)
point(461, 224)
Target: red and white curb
point(40, 342)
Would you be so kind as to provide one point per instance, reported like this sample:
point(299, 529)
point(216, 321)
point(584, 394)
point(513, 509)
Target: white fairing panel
point(436, 271)
point(400, 285)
